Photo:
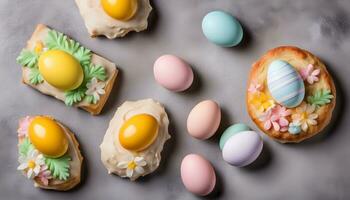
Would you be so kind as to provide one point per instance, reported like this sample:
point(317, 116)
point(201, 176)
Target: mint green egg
point(230, 131)
point(222, 28)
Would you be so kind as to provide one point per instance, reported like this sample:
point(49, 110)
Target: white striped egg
point(285, 84)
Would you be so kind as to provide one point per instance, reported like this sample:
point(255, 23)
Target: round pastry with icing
point(290, 94)
point(135, 138)
point(114, 18)
point(48, 153)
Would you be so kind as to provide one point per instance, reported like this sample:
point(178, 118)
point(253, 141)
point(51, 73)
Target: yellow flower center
point(304, 116)
point(132, 165)
point(39, 46)
point(31, 164)
point(261, 101)
point(266, 104)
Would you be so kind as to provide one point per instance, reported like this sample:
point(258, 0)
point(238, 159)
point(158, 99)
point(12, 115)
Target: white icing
point(112, 153)
point(99, 23)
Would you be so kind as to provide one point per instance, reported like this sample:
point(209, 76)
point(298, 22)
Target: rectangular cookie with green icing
point(58, 66)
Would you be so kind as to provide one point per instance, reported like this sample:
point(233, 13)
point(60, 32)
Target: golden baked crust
point(75, 165)
point(111, 70)
point(298, 58)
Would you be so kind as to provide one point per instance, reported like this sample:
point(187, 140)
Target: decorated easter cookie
point(135, 138)
point(48, 153)
point(60, 67)
point(291, 95)
point(114, 18)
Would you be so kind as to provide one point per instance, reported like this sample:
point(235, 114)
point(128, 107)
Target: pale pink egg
point(173, 73)
point(204, 119)
point(198, 175)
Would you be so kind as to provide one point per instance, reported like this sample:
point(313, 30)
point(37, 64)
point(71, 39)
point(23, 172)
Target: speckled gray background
point(317, 169)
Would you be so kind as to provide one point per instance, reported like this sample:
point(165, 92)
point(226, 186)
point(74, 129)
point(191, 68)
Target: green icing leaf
point(35, 76)
point(95, 71)
point(320, 98)
point(57, 40)
point(91, 99)
point(83, 55)
point(59, 167)
point(75, 96)
point(27, 58)
point(25, 147)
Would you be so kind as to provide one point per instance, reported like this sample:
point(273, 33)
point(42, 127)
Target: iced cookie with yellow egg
point(48, 153)
point(114, 18)
point(60, 67)
point(135, 138)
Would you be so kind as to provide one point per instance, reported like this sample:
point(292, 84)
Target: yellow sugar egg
point(120, 9)
point(61, 70)
point(48, 137)
point(138, 132)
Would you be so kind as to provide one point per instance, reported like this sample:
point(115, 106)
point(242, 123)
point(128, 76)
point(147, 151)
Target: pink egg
point(173, 73)
point(198, 175)
point(204, 119)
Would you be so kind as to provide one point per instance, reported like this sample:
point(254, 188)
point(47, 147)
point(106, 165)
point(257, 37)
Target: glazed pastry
point(135, 138)
point(48, 153)
point(290, 95)
point(114, 18)
point(60, 67)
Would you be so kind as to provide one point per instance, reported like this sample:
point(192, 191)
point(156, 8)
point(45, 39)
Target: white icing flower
point(305, 116)
point(133, 166)
point(31, 163)
point(95, 89)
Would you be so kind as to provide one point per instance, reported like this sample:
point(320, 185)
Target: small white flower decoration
point(95, 89)
point(31, 163)
point(305, 116)
point(133, 166)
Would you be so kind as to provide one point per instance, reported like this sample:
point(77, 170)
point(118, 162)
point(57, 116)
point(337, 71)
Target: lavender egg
point(242, 148)
point(285, 84)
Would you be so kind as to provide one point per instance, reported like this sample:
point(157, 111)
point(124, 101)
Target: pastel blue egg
point(222, 29)
point(230, 131)
point(285, 84)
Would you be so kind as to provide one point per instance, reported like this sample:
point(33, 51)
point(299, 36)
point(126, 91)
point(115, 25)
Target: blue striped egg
point(285, 84)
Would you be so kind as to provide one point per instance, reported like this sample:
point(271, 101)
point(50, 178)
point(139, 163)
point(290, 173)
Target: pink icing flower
point(255, 87)
point(44, 175)
point(281, 114)
point(269, 120)
point(309, 74)
point(23, 126)
point(276, 118)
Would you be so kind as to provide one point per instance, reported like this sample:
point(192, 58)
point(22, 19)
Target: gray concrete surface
point(317, 169)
